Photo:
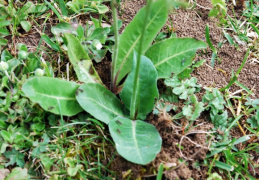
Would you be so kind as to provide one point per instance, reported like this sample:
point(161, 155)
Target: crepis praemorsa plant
point(135, 59)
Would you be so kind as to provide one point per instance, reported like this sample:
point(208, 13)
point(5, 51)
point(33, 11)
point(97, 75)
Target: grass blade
point(63, 7)
point(214, 55)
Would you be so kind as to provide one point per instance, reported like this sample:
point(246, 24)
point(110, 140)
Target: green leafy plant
point(193, 108)
point(215, 103)
point(251, 12)
point(183, 88)
point(93, 37)
point(11, 15)
point(94, 6)
point(219, 9)
point(254, 120)
point(134, 59)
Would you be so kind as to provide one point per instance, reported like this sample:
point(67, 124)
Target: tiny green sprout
point(39, 72)
point(3, 66)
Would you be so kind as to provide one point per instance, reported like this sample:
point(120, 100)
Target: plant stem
point(134, 102)
point(116, 46)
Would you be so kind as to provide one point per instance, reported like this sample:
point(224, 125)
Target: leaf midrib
point(134, 44)
point(135, 139)
point(56, 97)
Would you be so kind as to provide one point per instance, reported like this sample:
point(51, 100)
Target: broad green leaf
point(46, 161)
point(99, 34)
point(253, 121)
point(219, 120)
point(63, 27)
point(3, 42)
point(53, 95)
point(224, 166)
point(81, 62)
point(137, 141)
point(63, 7)
point(72, 171)
point(173, 55)
point(99, 102)
point(4, 32)
point(102, 9)
point(26, 25)
point(6, 136)
point(29, 7)
point(73, 6)
point(146, 88)
point(4, 23)
point(130, 38)
point(3, 125)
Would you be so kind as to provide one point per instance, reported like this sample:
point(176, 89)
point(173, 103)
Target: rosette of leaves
point(183, 88)
point(137, 61)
